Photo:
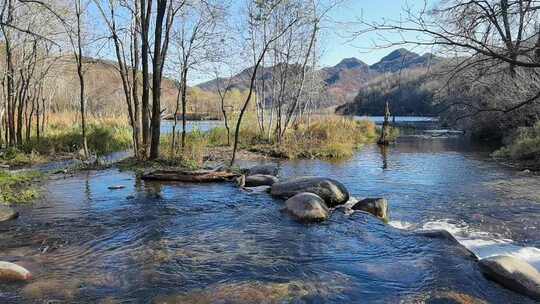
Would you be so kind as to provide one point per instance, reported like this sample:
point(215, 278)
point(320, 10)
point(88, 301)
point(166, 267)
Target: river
point(185, 243)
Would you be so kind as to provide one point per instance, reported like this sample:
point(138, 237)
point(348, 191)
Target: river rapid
point(156, 242)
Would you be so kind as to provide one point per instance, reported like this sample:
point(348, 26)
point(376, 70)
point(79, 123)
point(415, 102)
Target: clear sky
point(336, 41)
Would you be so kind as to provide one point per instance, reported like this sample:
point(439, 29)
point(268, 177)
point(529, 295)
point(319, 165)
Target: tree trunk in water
point(385, 138)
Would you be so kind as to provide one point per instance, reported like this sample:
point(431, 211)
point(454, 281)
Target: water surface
point(185, 243)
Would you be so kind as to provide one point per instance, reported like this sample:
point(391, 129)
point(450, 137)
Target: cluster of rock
point(311, 199)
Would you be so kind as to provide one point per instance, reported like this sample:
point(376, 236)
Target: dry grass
point(62, 138)
point(326, 136)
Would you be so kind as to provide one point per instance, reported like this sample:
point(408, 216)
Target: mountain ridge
point(344, 80)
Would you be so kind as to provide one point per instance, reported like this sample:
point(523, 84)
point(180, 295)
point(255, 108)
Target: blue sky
point(336, 44)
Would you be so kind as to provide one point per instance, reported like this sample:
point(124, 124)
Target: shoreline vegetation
point(324, 136)
point(522, 149)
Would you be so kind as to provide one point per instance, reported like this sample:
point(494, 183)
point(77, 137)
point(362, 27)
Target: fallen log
point(198, 176)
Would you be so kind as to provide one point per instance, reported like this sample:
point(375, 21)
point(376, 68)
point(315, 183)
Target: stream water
point(185, 243)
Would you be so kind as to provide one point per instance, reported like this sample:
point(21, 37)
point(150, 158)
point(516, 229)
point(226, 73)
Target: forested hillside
point(408, 94)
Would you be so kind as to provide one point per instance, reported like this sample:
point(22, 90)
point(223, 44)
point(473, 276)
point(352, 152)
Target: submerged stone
point(443, 297)
point(297, 291)
point(7, 213)
point(260, 180)
point(331, 191)
point(376, 206)
point(442, 234)
point(512, 273)
point(307, 207)
point(12, 272)
point(52, 289)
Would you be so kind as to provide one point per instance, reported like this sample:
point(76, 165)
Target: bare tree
point(257, 13)
point(196, 40)
point(477, 32)
point(128, 59)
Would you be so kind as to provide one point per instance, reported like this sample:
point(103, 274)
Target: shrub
point(524, 146)
point(15, 187)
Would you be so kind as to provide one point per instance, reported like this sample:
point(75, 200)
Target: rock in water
point(269, 169)
point(376, 206)
point(447, 236)
point(13, 272)
point(7, 213)
point(116, 187)
point(260, 180)
point(331, 191)
point(512, 273)
point(307, 207)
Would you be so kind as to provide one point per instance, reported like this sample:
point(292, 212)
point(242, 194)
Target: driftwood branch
point(199, 176)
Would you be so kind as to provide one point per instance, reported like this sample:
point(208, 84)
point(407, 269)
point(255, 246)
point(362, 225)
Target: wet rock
point(116, 187)
point(269, 169)
point(307, 207)
point(10, 272)
point(331, 191)
point(442, 234)
point(260, 180)
point(7, 213)
point(512, 273)
point(376, 206)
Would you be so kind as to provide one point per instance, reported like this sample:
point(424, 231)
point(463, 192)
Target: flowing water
point(185, 243)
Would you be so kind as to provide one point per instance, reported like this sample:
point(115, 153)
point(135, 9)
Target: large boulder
point(307, 207)
point(376, 206)
point(512, 273)
point(260, 180)
point(13, 272)
point(7, 213)
point(331, 191)
point(268, 169)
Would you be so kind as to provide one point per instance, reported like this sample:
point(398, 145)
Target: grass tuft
point(17, 187)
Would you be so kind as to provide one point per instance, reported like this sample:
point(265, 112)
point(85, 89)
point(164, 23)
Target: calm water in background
point(185, 242)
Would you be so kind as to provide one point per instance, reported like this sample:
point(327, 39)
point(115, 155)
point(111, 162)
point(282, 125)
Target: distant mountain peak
point(399, 53)
point(350, 63)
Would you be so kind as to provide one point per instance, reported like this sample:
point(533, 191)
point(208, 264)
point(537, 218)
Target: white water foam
point(482, 244)
point(401, 225)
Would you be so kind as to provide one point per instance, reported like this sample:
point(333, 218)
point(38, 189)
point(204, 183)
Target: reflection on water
point(200, 125)
point(185, 243)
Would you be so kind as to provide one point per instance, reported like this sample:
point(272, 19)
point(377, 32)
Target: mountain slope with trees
point(342, 81)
